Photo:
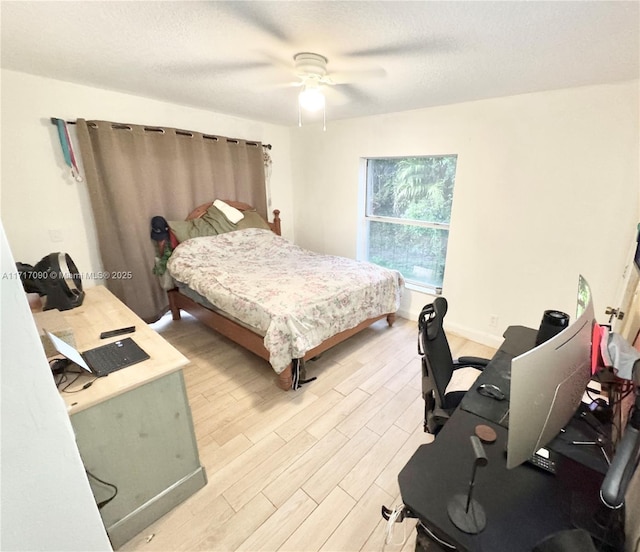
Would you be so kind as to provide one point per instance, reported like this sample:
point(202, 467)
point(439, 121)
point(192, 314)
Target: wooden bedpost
point(285, 378)
point(275, 225)
point(391, 318)
point(175, 309)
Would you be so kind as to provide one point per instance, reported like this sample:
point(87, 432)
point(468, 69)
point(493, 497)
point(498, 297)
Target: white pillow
point(462, 379)
point(232, 214)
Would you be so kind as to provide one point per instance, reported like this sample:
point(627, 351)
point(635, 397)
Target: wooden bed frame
point(243, 336)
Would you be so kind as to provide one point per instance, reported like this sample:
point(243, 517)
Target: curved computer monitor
point(548, 382)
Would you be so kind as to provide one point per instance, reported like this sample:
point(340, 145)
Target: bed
point(277, 300)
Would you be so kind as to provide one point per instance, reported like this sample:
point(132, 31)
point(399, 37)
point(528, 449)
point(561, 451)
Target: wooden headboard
point(202, 209)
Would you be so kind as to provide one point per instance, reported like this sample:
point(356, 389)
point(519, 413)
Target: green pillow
point(212, 223)
point(252, 220)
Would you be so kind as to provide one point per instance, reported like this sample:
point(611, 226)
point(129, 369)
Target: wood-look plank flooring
point(304, 470)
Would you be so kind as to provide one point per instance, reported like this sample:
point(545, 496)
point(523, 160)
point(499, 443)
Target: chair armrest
point(475, 362)
point(435, 419)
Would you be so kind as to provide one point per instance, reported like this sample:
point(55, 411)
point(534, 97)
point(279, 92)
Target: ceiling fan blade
point(353, 93)
point(280, 63)
point(335, 95)
point(229, 67)
point(407, 48)
point(256, 16)
point(279, 85)
point(345, 77)
point(213, 68)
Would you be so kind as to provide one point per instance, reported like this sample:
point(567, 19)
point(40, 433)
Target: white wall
point(547, 187)
point(37, 192)
point(47, 503)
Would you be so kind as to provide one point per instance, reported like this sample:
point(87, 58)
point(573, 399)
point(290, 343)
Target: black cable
point(63, 364)
point(59, 370)
point(64, 389)
point(58, 367)
point(617, 430)
point(616, 426)
point(622, 391)
point(63, 377)
point(58, 363)
point(623, 396)
point(85, 386)
point(613, 395)
point(589, 391)
point(115, 489)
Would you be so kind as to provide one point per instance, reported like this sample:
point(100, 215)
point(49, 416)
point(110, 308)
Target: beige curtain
point(135, 172)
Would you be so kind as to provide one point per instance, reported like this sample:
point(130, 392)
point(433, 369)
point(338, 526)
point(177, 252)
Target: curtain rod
point(54, 121)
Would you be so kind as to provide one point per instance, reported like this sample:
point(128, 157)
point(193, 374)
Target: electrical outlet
point(55, 235)
point(493, 320)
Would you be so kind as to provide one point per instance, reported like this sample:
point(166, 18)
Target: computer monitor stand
point(600, 440)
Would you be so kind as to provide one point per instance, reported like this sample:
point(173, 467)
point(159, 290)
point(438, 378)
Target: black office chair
point(444, 380)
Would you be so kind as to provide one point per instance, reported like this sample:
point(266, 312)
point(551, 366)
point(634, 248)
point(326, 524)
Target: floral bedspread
point(295, 297)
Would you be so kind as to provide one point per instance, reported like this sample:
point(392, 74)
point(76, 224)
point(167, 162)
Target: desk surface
point(517, 340)
point(522, 505)
point(102, 311)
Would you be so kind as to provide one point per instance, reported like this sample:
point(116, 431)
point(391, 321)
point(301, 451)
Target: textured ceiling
point(237, 57)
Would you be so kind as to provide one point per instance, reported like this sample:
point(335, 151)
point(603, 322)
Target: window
point(407, 215)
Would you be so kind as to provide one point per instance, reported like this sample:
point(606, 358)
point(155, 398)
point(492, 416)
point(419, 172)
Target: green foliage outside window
point(408, 210)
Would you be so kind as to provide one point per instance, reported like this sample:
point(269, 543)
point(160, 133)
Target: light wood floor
point(301, 470)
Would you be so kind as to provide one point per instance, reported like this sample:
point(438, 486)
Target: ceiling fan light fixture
point(311, 98)
point(312, 70)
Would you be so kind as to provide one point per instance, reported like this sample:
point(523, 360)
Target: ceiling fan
point(314, 79)
point(285, 29)
point(311, 69)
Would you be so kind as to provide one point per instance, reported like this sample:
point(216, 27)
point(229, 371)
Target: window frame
point(364, 248)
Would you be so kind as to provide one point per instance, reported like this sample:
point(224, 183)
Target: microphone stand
point(465, 512)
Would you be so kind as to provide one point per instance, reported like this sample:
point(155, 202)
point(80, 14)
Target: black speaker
point(553, 322)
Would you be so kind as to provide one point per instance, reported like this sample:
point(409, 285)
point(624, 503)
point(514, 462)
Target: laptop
point(104, 359)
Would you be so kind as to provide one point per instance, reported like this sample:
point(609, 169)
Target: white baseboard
point(483, 338)
point(403, 313)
